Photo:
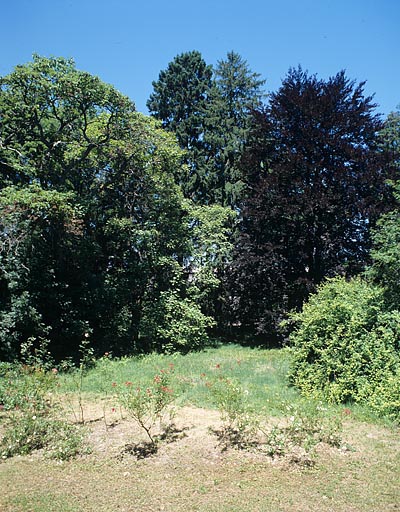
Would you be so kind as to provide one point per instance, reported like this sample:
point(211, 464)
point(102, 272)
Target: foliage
point(239, 425)
point(345, 345)
point(385, 254)
point(174, 324)
point(209, 112)
point(389, 136)
point(236, 92)
point(179, 100)
point(26, 395)
point(211, 229)
point(90, 214)
point(40, 231)
point(48, 111)
point(317, 186)
point(306, 425)
point(59, 439)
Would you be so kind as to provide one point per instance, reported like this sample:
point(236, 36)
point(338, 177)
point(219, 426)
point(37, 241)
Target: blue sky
point(127, 42)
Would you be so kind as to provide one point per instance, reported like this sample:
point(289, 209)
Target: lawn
point(192, 470)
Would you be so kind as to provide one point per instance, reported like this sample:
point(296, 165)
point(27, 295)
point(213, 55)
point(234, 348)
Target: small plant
point(149, 405)
point(27, 433)
point(305, 426)
point(239, 426)
point(86, 361)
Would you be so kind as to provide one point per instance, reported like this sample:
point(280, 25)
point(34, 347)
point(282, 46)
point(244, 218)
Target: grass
point(193, 473)
point(261, 372)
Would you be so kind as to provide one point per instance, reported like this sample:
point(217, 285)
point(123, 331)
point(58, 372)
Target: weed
point(305, 426)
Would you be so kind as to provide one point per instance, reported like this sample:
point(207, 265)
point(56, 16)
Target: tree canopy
point(217, 214)
point(318, 184)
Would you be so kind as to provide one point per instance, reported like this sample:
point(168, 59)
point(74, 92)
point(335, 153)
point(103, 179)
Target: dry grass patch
point(191, 473)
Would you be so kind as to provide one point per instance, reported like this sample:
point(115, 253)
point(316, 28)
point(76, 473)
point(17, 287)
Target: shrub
point(26, 397)
point(174, 324)
point(306, 424)
point(345, 346)
point(27, 433)
point(149, 404)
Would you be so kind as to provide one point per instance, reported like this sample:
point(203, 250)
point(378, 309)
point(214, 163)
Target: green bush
point(173, 324)
point(345, 345)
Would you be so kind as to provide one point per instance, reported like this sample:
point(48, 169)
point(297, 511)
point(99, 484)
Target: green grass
point(193, 473)
point(261, 372)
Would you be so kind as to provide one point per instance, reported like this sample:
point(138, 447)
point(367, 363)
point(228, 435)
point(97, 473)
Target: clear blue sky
point(127, 42)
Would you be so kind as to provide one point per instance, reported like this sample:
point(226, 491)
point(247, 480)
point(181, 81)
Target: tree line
point(213, 217)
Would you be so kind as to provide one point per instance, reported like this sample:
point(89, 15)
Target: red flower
point(114, 384)
point(128, 383)
point(157, 379)
point(218, 366)
point(113, 409)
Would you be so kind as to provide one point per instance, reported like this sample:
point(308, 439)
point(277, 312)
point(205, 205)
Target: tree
point(317, 187)
point(385, 267)
point(209, 112)
point(236, 93)
point(92, 224)
point(49, 116)
point(390, 137)
point(179, 100)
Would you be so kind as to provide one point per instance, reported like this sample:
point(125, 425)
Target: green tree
point(209, 112)
point(385, 267)
point(180, 100)
point(237, 92)
point(93, 224)
point(40, 267)
point(390, 137)
point(48, 109)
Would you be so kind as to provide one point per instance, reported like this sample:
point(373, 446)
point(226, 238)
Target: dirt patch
point(190, 472)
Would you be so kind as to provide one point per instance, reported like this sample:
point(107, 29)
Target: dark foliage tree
point(209, 112)
point(180, 100)
point(317, 186)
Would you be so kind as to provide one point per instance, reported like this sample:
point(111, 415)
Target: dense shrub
point(346, 346)
point(174, 324)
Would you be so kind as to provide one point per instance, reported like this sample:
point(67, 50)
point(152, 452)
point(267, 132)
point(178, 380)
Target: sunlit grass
point(261, 372)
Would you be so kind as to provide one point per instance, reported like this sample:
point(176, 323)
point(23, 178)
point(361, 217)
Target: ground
point(191, 472)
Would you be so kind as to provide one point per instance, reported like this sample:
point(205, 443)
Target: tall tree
point(209, 112)
point(318, 185)
point(179, 100)
point(49, 115)
point(92, 223)
point(390, 136)
point(236, 93)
